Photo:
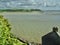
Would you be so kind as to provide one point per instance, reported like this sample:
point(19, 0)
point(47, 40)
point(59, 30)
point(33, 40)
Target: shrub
point(5, 35)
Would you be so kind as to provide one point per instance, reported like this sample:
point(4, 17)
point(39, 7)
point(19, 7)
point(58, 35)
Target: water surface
point(32, 26)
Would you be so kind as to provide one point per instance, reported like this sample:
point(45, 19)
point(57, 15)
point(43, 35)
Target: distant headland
point(19, 10)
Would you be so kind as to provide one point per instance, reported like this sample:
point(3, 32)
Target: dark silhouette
point(51, 38)
point(23, 41)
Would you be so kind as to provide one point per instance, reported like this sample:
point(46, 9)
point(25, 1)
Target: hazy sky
point(40, 4)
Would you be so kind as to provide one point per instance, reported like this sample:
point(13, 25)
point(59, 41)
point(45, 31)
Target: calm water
point(32, 26)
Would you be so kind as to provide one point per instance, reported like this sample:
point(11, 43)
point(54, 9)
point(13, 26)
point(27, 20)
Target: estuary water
point(31, 26)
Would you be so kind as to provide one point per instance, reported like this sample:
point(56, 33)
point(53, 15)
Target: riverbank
point(21, 13)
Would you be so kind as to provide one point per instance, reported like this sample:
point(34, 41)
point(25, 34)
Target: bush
point(5, 35)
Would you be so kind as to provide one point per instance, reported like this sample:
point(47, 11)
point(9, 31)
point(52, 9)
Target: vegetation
point(21, 10)
point(6, 38)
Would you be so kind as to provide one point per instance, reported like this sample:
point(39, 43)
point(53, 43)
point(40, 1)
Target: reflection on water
point(31, 26)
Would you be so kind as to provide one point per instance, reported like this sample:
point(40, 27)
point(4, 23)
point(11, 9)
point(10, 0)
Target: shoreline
point(20, 13)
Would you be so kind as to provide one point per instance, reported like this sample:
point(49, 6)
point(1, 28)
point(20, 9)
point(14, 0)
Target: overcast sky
point(40, 4)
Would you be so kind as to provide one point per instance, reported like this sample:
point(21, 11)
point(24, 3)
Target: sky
point(35, 4)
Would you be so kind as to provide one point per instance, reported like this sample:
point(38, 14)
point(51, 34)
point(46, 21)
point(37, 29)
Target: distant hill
point(19, 10)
